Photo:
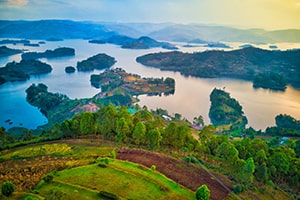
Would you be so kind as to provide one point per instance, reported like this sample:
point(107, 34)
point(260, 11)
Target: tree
point(154, 138)
point(7, 188)
point(122, 130)
point(261, 173)
point(199, 121)
point(202, 193)
point(87, 123)
point(247, 171)
point(139, 133)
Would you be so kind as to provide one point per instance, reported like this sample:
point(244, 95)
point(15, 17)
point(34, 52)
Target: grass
point(125, 179)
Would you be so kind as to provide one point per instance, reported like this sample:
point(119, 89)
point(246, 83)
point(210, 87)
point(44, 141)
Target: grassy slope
point(127, 180)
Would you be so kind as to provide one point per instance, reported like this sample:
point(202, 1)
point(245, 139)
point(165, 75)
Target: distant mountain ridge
point(67, 29)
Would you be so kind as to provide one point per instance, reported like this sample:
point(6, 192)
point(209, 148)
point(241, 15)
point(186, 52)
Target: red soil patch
point(188, 175)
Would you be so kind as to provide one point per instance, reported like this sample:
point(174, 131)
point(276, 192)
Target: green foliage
point(48, 178)
point(202, 193)
point(238, 188)
point(7, 188)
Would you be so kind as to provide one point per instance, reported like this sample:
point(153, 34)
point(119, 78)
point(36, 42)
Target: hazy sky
point(268, 14)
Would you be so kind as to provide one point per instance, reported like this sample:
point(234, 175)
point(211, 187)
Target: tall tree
point(139, 133)
point(122, 130)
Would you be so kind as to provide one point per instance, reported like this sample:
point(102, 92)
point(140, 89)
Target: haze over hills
point(67, 29)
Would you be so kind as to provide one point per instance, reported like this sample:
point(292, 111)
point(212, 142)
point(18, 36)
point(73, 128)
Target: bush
point(187, 159)
point(238, 188)
point(7, 188)
point(107, 195)
point(153, 167)
point(48, 178)
point(102, 165)
point(202, 193)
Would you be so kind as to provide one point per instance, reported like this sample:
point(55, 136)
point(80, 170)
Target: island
point(70, 69)
point(126, 42)
point(14, 42)
point(225, 111)
point(99, 61)
point(5, 51)
point(59, 52)
point(270, 80)
point(217, 45)
point(21, 71)
point(132, 84)
point(247, 63)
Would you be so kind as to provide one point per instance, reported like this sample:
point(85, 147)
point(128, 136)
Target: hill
point(248, 63)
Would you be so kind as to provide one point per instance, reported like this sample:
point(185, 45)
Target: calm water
point(191, 96)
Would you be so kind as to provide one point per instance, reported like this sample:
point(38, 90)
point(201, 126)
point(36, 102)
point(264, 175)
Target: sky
point(266, 14)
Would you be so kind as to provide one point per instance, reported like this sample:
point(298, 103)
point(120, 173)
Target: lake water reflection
point(191, 96)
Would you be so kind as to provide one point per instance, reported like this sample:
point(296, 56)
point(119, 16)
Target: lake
point(191, 97)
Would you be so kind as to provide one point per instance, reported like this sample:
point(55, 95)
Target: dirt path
point(187, 175)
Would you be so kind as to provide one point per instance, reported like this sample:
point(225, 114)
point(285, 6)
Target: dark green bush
point(7, 188)
point(48, 178)
point(238, 188)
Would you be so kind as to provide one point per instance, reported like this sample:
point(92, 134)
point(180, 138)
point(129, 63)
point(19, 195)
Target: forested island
point(99, 61)
point(248, 63)
point(225, 111)
point(21, 71)
point(59, 52)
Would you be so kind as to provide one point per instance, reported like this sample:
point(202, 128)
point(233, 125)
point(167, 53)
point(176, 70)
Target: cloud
point(17, 3)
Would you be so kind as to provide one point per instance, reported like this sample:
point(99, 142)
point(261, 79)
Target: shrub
point(238, 188)
point(108, 195)
point(202, 193)
point(153, 167)
point(48, 178)
point(113, 154)
point(103, 165)
point(187, 159)
point(7, 188)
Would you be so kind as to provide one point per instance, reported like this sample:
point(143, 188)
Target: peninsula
point(248, 64)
